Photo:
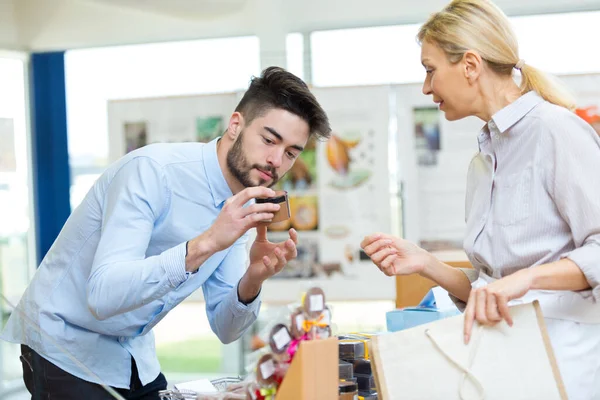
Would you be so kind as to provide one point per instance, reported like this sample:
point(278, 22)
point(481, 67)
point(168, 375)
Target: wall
point(9, 38)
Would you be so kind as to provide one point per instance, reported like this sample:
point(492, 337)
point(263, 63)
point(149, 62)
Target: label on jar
point(299, 321)
point(267, 369)
point(281, 338)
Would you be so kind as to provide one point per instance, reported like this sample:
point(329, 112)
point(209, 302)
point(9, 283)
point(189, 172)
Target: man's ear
point(473, 65)
point(236, 124)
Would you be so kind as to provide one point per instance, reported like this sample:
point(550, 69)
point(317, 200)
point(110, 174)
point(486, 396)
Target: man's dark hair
point(278, 88)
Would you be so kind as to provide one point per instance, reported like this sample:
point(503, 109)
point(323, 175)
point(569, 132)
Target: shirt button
point(122, 339)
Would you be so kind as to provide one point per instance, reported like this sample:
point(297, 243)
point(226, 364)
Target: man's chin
point(268, 184)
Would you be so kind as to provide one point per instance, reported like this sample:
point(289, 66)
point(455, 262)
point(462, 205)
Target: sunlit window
point(556, 43)
point(295, 55)
point(95, 76)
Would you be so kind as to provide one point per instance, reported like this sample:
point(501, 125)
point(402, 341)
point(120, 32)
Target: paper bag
point(432, 362)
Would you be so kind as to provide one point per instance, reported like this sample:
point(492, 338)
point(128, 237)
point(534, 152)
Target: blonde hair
point(481, 26)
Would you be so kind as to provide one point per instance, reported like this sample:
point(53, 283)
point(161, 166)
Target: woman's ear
point(473, 65)
point(236, 124)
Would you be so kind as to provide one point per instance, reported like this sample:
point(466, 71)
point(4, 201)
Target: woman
point(533, 192)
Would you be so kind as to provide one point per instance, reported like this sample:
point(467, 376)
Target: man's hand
point(232, 222)
point(266, 260)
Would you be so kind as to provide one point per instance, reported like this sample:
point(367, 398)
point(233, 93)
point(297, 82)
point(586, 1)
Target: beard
point(240, 168)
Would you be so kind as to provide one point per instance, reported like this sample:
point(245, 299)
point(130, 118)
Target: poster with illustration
point(208, 128)
point(302, 176)
point(136, 135)
point(350, 155)
point(427, 135)
point(304, 211)
point(306, 265)
point(8, 161)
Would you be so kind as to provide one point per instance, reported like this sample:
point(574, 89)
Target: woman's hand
point(395, 256)
point(489, 304)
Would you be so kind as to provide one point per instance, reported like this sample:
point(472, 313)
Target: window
point(380, 55)
point(17, 250)
point(95, 76)
point(295, 54)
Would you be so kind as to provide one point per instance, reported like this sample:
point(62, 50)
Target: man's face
point(267, 148)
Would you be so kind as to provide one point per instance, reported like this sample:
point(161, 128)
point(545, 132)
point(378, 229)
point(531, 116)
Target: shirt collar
point(219, 188)
point(508, 116)
point(515, 111)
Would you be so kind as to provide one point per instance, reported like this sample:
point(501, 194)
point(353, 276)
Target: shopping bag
point(432, 362)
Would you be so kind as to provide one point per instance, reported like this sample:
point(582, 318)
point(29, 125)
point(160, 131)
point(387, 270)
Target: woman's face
point(448, 83)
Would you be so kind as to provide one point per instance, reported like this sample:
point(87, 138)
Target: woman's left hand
point(489, 304)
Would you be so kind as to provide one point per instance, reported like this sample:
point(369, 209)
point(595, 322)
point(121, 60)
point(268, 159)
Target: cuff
point(240, 308)
point(587, 259)
point(173, 262)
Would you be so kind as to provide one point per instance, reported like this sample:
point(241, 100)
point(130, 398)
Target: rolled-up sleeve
point(472, 275)
point(228, 317)
point(575, 186)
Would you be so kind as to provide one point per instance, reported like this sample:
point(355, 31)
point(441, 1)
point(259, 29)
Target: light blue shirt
point(118, 266)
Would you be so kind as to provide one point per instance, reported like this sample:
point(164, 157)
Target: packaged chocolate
point(365, 382)
point(279, 339)
point(367, 395)
point(297, 323)
point(266, 370)
point(348, 390)
point(362, 366)
point(314, 303)
point(346, 371)
point(350, 350)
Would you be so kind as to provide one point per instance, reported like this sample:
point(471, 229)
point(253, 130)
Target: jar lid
point(280, 197)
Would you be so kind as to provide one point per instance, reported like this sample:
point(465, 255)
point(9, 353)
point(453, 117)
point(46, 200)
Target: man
point(160, 223)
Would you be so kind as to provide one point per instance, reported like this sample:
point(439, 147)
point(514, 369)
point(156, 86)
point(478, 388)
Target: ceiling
point(195, 9)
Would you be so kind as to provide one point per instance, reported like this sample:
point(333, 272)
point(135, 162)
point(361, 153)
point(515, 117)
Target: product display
point(354, 349)
point(367, 395)
point(351, 350)
point(365, 382)
point(307, 325)
point(362, 366)
point(348, 390)
point(279, 339)
point(346, 372)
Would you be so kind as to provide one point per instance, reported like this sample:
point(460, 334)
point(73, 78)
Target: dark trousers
point(45, 381)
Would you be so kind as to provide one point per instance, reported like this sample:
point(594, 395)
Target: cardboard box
point(313, 374)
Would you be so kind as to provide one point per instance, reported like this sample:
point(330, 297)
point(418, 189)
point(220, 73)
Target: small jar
point(348, 390)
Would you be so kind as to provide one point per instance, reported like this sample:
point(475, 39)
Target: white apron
point(576, 344)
